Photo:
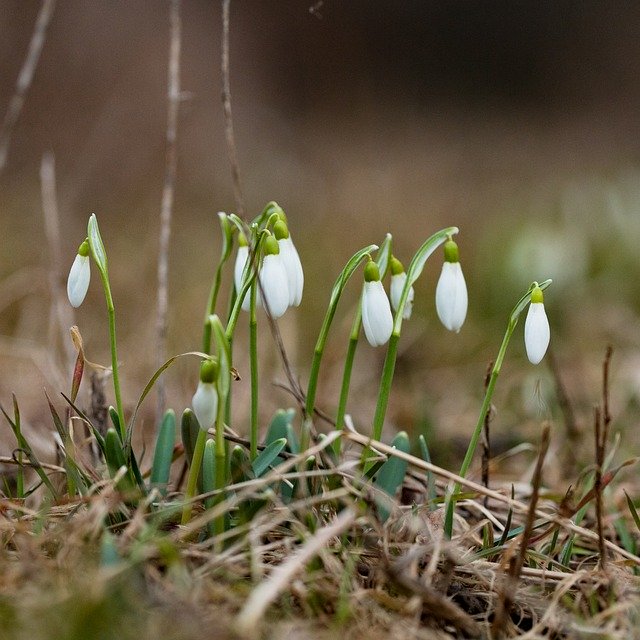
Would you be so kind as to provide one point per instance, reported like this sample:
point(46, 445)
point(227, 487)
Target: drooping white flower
point(241, 260)
point(79, 276)
point(273, 279)
point(291, 261)
point(536, 328)
point(205, 399)
point(451, 291)
point(377, 320)
point(398, 279)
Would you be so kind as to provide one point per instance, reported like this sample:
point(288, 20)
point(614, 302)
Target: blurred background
point(519, 122)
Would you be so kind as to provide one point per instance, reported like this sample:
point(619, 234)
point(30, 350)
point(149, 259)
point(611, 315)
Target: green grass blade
point(392, 472)
point(163, 454)
point(268, 456)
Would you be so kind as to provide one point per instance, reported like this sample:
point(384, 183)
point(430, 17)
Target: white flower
point(79, 277)
point(536, 328)
point(205, 404)
point(275, 285)
point(397, 285)
point(293, 267)
point(241, 260)
point(376, 313)
point(451, 296)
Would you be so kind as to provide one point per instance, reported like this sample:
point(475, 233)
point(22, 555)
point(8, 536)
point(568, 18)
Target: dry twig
point(25, 78)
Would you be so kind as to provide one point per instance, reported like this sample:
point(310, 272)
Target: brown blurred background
point(517, 121)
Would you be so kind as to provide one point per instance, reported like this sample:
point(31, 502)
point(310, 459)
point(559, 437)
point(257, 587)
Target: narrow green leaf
point(268, 456)
point(278, 426)
point(189, 429)
point(209, 471)
point(392, 472)
point(632, 509)
point(431, 482)
point(163, 455)
point(114, 455)
point(240, 465)
point(383, 255)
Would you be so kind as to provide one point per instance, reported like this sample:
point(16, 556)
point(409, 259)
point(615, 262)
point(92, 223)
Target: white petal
point(451, 296)
point(376, 313)
point(275, 286)
point(205, 404)
point(397, 285)
point(293, 267)
point(78, 282)
point(241, 260)
point(536, 332)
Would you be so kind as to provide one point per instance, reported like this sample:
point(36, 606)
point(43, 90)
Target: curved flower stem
point(253, 359)
point(194, 471)
point(385, 385)
point(486, 404)
point(211, 308)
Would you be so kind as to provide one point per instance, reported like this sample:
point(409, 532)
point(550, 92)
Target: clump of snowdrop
point(291, 261)
point(79, 276)
point(398, 279)
point(273, 278)
point(205, 399)
point(376, 311)
point(536, 328)
point(451, 291)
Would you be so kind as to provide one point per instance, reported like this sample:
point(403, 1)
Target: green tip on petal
point(451, 253)
point(280, 230)
point(537, 295)
point(83, 249)
point(242, 240)
point(209, 371)
point(371, 272)
point(396, 266)
point(271, 246)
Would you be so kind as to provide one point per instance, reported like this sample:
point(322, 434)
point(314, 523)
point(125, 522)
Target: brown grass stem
point(25, 78)
point(232, 152)
point(168, 194)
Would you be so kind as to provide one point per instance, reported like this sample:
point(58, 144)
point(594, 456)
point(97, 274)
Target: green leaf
point(163, 455)
point(240, 465)
point(224, 358)
point(431, 482)
point(392, 472)
point(189, 429)
point(278, 426)
point(632, 509)
point(268, 456)
point(114, 454)
point(115, 418)
point(209, 471)
point(96, 245)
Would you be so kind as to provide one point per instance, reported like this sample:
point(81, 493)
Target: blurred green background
point(517, 121)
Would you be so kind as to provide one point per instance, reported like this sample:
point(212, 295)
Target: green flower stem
point(253, 358)
point(486, 404)
point(194, 471)
point(348, 367)
point(385, 385)
point(211, 308)
point(221, 468)
point(114, 357)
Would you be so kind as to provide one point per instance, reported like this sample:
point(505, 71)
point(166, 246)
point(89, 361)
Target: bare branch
point(173, 102)
point(25, 78)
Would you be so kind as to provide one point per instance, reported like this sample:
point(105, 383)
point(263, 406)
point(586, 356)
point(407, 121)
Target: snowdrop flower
point(241, 260)
point(273, 278)
point(79, 276)
point(398, 278)
point(376, 312)
point(536, 328)
point(291, 261)
point(451, 292)
point(205, 399)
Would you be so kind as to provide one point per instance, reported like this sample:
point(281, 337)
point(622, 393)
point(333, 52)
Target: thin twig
point(173, 102)
point(597, 483)
point(507, 595)
point(61, 310)
point(25, 78)
point(486, 439)
point(228, 118)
